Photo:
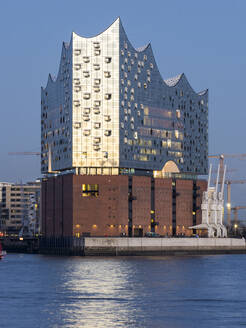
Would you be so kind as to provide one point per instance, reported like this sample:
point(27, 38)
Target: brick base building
point(79, 205)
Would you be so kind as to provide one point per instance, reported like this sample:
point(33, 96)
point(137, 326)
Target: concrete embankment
point(162, 246)
point(115, 246)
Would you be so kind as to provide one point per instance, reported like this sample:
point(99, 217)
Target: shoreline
point(124, 246)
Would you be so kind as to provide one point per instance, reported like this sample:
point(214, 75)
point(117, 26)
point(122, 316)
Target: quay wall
point(162, 246)
point(117, 246)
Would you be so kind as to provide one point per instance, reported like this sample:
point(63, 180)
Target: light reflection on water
point(175, 292)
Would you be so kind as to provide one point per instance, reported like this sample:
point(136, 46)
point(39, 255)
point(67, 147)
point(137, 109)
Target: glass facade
point(109, 110)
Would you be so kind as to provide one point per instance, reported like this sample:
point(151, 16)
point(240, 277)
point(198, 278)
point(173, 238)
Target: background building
point(16, 202)
point(125, 145)
point(2, 217)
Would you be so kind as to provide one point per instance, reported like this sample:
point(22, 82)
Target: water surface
point(170, 292)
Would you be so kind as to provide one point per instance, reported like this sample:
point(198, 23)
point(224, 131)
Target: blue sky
point(203, 39)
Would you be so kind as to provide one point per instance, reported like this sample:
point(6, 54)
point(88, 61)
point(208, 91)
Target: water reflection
point(175, 292)
point(97, 294)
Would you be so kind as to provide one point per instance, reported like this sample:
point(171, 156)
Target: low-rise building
point(15, 209)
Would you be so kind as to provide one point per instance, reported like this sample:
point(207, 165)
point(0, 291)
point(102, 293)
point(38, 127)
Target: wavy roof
point(170, 82)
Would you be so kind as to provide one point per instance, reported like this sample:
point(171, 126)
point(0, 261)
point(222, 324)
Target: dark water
point(170, 292)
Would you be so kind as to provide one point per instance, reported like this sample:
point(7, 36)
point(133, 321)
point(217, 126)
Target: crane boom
point(25, 153)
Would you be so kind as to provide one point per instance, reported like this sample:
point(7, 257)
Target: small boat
point(2, 253)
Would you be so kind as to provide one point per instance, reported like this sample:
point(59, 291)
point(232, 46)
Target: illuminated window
point(178, 114)
point(90, 190)
point(107, 74)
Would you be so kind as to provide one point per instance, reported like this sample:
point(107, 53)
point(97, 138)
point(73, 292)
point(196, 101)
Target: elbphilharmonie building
point(122, 148)
point(109, 112)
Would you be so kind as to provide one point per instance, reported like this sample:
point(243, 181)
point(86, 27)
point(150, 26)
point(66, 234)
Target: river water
point(169, 292)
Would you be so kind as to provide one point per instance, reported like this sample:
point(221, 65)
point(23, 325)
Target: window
point(108, 60)
point(97, 103)
point(86, 59)
point(86, 74)
point(86, 118)
point(77, 67)
point(76, 81)
point(77, 52)
point(108, 96)
point(76, 103)
point(96, 88)
point(96, 67)
point(86, 133)
point(97, 81)
point(77, 125)
point(87, 110)
point(90, 190)
point(97, 125)
point(86, 95)
point(97, 52)
point(97, 140)
point(96, 110)
point(107, 74)
point(107, 118)
point(96, 45)
point(107, 133)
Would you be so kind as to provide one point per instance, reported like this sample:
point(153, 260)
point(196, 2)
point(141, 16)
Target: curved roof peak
point(140, 49)
point(172, 81)
point(117, 20)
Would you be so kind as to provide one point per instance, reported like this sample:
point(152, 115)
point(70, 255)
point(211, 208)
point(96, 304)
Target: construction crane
point(235, 209)
point(34, 153)
point(228, 205)
point(221, 158)
point(25, 153)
